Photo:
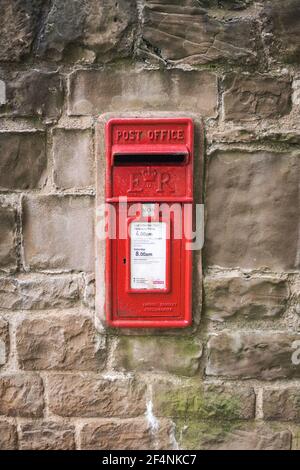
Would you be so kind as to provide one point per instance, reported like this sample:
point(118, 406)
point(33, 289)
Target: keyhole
point(124, 260)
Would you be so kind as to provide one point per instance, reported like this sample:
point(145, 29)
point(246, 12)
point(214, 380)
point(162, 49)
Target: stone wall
point(232, 381)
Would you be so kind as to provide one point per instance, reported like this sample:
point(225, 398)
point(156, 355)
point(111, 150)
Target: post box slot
point(150, 159)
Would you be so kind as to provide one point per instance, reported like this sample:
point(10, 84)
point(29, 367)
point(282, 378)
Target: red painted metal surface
point(149, 161)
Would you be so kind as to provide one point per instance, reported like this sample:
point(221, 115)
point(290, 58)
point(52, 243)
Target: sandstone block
point(73, 158)
point(208, 435)
point(21, 395)
point(8, 436)
point(39, 292)
point(252, 210)
point(58, 232)
point(8, 254)
point(175, 355)
point(129, 434)
point(282, 23)
point(251, 354)
point(105, 28)
point(66, 342)
point(254, 298)
point(253, 97)
point(190, 400)
point(33, 93)
point(47, 436)
point(18, 25)
point(186, 34)
point(282, 404)
point(23, 160)
point(130, 89)
point(84, 395)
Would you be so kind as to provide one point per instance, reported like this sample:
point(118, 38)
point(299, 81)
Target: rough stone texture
point(8, 436)
point(4, 344)
point(253, 97)
point(105, 28)
point(282, 404)
point(33, 93)
point(89, 291)
point(255, 298)
point(193, 400)
point(67, 343)
point(252, 219)
point(234, 5)
point(73, 158)
point(39, 292)
point(65, 238)
point(282, 23)
point(124, 89)
point(23, 160)
point(129, 434)
point(21, 395)
point(18, 22)
point(263, 355)
point(175, 355)
point(213, 436)
point(47, 436)
point(91, 396)
point(8, 253)
point(186, 34)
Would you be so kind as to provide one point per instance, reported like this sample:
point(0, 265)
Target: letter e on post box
point(149, 181)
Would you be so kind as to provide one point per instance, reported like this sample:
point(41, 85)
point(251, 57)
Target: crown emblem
point(149, 175)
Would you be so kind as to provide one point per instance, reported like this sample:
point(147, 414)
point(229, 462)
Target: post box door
point(148, 272)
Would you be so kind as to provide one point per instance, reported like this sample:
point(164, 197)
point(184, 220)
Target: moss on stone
point(175, 355)
point(191, 434)
point(193, 401)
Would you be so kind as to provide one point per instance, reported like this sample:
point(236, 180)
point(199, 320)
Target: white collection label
point(148, 255)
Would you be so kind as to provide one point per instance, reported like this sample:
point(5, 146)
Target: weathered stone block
point(214, 435)
point(89, 291)
point(191, 400)
point(8, 252)
point(23, 160)
point(21, 395)
point(253, 97)
point(67, 342)
point(282, 404)
point(33, 93)
point(90, 396)
point(252, 213)
point(282, 23)
point(73, 158)
point(58, 232)
point(106, 28)
point(254, 298)
point(131, 89)
point(4, 341)
point(18, 23)
point(39, 292)
point(186, 34)
point(175, 355)
point(129, 434)
point(47, 436)
point(245, 354)
point(8, 436)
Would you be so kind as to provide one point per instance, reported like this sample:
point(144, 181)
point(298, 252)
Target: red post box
point(149, 188)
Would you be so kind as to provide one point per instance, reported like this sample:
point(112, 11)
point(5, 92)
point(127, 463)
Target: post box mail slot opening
point(150, 159)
